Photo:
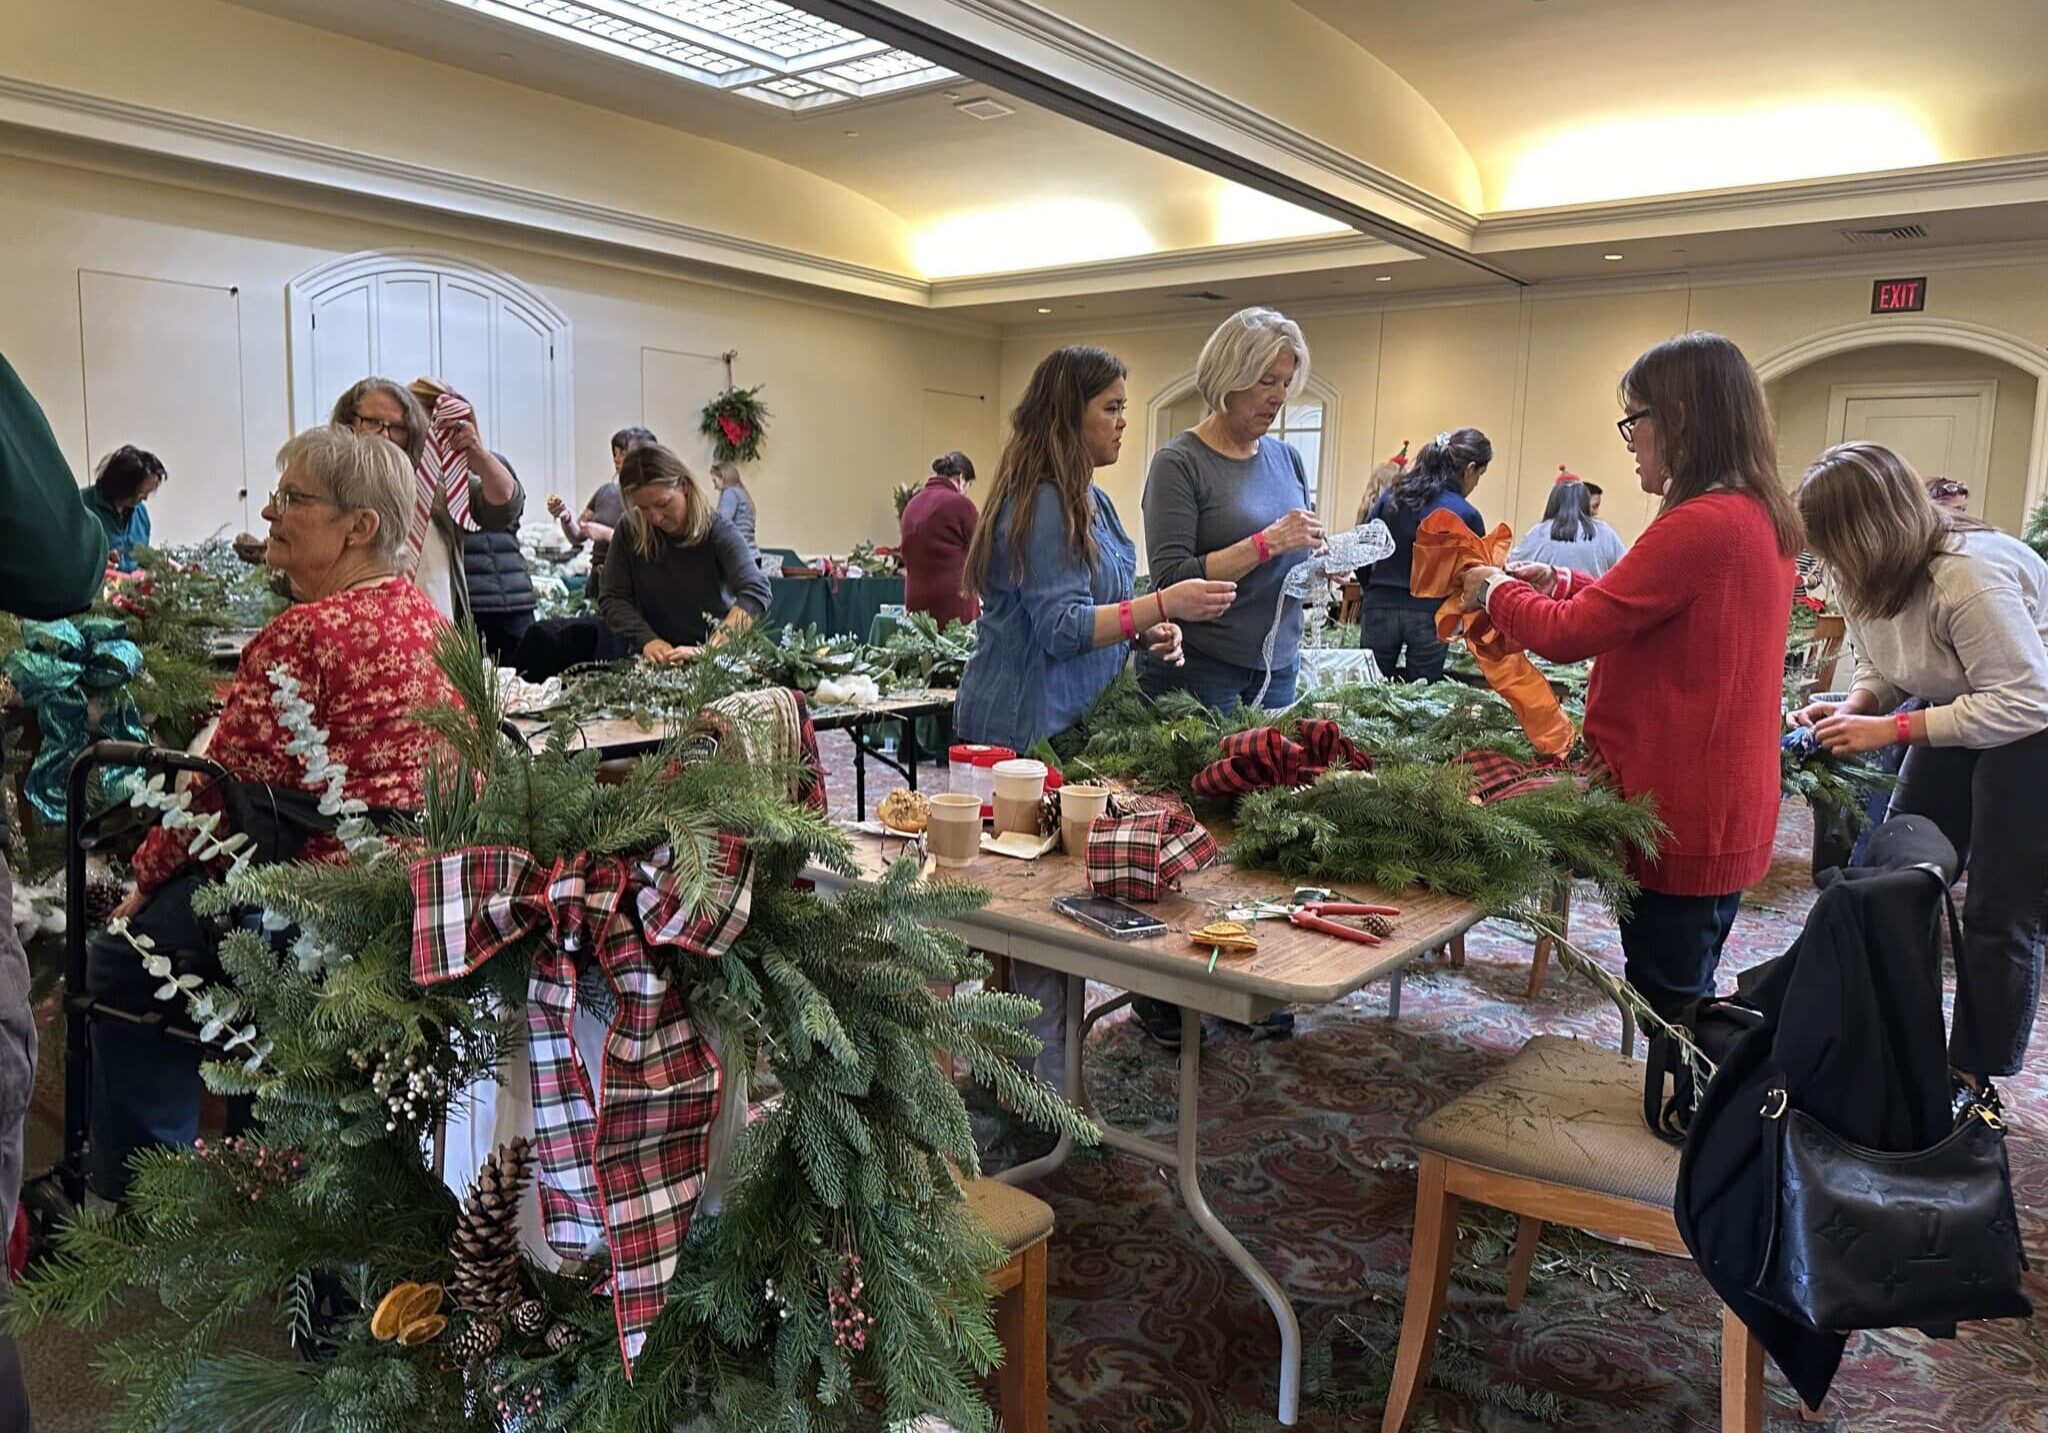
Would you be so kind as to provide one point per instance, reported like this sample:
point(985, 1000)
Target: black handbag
point(1670, 1092)
point(1866, 1238)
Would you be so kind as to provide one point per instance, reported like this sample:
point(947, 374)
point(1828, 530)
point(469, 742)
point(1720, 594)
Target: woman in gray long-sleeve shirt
point(676, 564)
point(1949, 609)
point(1226, 502)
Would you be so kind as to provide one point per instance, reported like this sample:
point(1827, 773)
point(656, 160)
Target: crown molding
point(1211, 264)
point(217, 144)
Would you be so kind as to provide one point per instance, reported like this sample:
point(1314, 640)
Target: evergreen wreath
point(841, 1282)
point(735, 422)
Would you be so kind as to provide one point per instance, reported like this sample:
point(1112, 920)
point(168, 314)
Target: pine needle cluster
point(830, 1004)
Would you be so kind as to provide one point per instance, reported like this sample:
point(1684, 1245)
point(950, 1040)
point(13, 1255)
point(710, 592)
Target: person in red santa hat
point(1570, 536)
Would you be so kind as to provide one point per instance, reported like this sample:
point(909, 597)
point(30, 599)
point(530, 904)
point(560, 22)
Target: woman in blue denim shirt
point(1055, 571)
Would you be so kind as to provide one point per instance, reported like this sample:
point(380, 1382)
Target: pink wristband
point(1123, 616)
point(1259, 545)
point(1902, 723)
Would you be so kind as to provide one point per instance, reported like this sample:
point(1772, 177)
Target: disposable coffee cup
point(952, 832)
point(1020, 794)
point(1080, 804)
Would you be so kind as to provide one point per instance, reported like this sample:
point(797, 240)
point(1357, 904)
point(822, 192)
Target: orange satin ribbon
point(1444, 549)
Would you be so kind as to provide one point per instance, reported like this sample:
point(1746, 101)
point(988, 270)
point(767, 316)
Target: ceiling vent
point(983, 108)
point(1896, 234)
point(1206, 296)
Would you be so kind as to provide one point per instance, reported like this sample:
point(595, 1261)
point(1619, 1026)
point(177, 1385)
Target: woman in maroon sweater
point(937, 526)
point(1686, 700)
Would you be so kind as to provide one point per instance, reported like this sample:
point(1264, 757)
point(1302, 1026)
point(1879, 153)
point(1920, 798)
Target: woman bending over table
point(1689, 626)
point(1944, 607)
point(1055, 571)
point(678, 575)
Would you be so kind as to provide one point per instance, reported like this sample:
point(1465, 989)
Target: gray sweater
point(1198, 501)
point(1974, 640)
point(680, 594)
point(1592, 556)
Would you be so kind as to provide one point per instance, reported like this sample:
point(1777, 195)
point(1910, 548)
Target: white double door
point(1942, 429)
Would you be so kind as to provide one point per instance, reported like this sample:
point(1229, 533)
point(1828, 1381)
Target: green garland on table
point(185, 598)
point(920, 654)
point(851, 1160)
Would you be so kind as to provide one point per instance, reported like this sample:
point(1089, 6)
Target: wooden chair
point(1557, 1135)
point(1023, 1223)
point(1353, 602)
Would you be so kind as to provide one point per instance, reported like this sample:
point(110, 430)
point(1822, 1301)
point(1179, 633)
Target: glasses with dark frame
point(1627, 426)
point(397, 432)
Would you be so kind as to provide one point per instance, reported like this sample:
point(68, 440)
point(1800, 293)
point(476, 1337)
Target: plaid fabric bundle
point(1497, 775)
point(1143, 856)
point(773, 726)
point(1256, 759)
point(623, 1157)
point(443, 473)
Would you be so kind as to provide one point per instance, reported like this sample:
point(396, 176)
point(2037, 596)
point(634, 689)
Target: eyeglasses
point(1946, 488)
point(396, 432)
point(283, 498)
point(1627, 426)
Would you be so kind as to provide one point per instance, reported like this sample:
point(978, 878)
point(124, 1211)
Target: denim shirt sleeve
point(1057, 591)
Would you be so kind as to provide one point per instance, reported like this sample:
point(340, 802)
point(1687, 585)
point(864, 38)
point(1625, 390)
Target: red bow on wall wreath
point(735, 422)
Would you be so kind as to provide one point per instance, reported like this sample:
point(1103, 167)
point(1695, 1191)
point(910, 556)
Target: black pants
point(1673, 944)
point(1988, 804)
point(501, 632)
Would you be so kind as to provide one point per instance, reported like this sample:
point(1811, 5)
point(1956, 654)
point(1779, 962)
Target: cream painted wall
point(222, 62)
point(1800, 403)
point(1538, 372)
point(846, 390)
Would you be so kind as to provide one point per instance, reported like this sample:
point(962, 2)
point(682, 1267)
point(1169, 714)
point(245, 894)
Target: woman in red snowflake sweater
point(1686, 700)
point(360, 643)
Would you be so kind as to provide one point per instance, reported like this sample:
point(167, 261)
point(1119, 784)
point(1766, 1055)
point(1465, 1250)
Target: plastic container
point(973, 768)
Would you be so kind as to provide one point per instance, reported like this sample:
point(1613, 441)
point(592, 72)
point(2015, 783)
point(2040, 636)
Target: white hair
point(1242, 348)
point(358, 472)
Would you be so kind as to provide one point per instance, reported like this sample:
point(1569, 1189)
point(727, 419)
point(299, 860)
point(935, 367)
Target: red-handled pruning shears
point(1311, 909)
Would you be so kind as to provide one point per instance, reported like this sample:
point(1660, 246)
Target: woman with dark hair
point(937, 526)
point(676, 562)
point(1686, 699)
point(1392, 620)
point(1569, 535)
point(1055, 571)
point(605, 508)
point(119, 497)
point(1944, 607)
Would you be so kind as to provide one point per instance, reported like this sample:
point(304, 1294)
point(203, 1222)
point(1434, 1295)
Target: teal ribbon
point(58, 670)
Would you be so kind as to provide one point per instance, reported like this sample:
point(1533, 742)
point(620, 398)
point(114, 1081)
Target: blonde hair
point(727, 475)
point(1871, 523)
point(1242, 348)
point(652, 466)
point(1380, 483)
point(361, 472)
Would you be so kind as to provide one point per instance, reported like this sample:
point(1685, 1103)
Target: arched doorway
point(1831, 371)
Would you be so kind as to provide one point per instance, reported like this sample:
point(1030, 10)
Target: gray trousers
point(17, 1081)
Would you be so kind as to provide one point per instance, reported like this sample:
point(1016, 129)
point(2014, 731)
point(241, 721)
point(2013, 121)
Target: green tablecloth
point(846, 608)
point(857, 601)
point(799, 602)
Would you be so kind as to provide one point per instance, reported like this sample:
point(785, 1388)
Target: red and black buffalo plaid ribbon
point(1256, 759)
point(1143, 856)
point(622, 1158)
point(1496, 775)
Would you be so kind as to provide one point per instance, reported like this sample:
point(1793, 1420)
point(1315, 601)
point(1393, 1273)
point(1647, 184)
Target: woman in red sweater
point(938, 524)
point(1686, 699)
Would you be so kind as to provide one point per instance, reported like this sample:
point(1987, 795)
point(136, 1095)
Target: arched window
point(1309, 423)
point(483, 333)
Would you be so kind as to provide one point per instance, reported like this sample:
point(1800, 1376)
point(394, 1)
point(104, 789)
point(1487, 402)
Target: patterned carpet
point(1310, 1163)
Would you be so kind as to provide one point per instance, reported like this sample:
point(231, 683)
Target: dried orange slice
point(1227, 935)
point(423, 1330)
point(391, 1311)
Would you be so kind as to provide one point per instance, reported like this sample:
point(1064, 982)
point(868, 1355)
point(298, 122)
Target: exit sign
point(1898, 295)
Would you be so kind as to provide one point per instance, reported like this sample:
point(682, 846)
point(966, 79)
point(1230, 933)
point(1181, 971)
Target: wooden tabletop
point(623, 736)
point(1291, 966)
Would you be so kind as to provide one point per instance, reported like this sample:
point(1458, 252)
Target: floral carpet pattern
point(1309, 1161)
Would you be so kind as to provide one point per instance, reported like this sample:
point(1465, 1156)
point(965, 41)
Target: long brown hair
point(1713, 425)
point(1045, 446)
point(651, 465)
point(1873, 526)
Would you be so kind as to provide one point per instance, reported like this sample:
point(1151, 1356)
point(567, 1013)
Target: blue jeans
point(1223, 685)
point(1386, 631)
point(1673, 944)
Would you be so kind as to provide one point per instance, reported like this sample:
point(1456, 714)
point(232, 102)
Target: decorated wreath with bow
point(735, 422)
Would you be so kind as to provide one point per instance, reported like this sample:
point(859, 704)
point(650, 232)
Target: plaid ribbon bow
point(1140, 857)
point(627, 1175)
point(444, 472)
point(1256, 759)
point(1497, 775)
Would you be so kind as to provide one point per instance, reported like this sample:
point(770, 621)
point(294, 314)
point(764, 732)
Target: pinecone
point(102, 894)
point(1380, 926)
point(530, 1317)
point(486, 1242)
point(1049, 813)
point(562, 1336)
point(476, 1344)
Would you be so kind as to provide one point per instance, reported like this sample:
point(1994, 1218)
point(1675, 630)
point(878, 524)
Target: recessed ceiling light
point(1045, 310)
point(1612, 258)
point(1383, 278)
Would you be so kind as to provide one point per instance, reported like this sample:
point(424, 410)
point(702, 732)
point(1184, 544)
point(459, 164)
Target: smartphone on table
point(1111, 918)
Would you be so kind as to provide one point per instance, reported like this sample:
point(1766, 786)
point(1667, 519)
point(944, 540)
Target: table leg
point(860, 774)
point(910, 750)
point(1394, 993)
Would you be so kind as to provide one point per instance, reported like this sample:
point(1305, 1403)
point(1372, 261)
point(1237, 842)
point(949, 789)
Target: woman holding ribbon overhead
point(1224, 501)
point(1686, 698)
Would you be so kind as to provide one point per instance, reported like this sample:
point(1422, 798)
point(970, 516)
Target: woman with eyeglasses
point(1686, 699)
point(1945, 607)
point(360, 642)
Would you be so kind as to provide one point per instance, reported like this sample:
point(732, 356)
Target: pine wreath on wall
point(735, 422)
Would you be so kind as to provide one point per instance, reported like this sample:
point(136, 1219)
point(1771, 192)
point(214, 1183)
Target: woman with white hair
point(1225, 502)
